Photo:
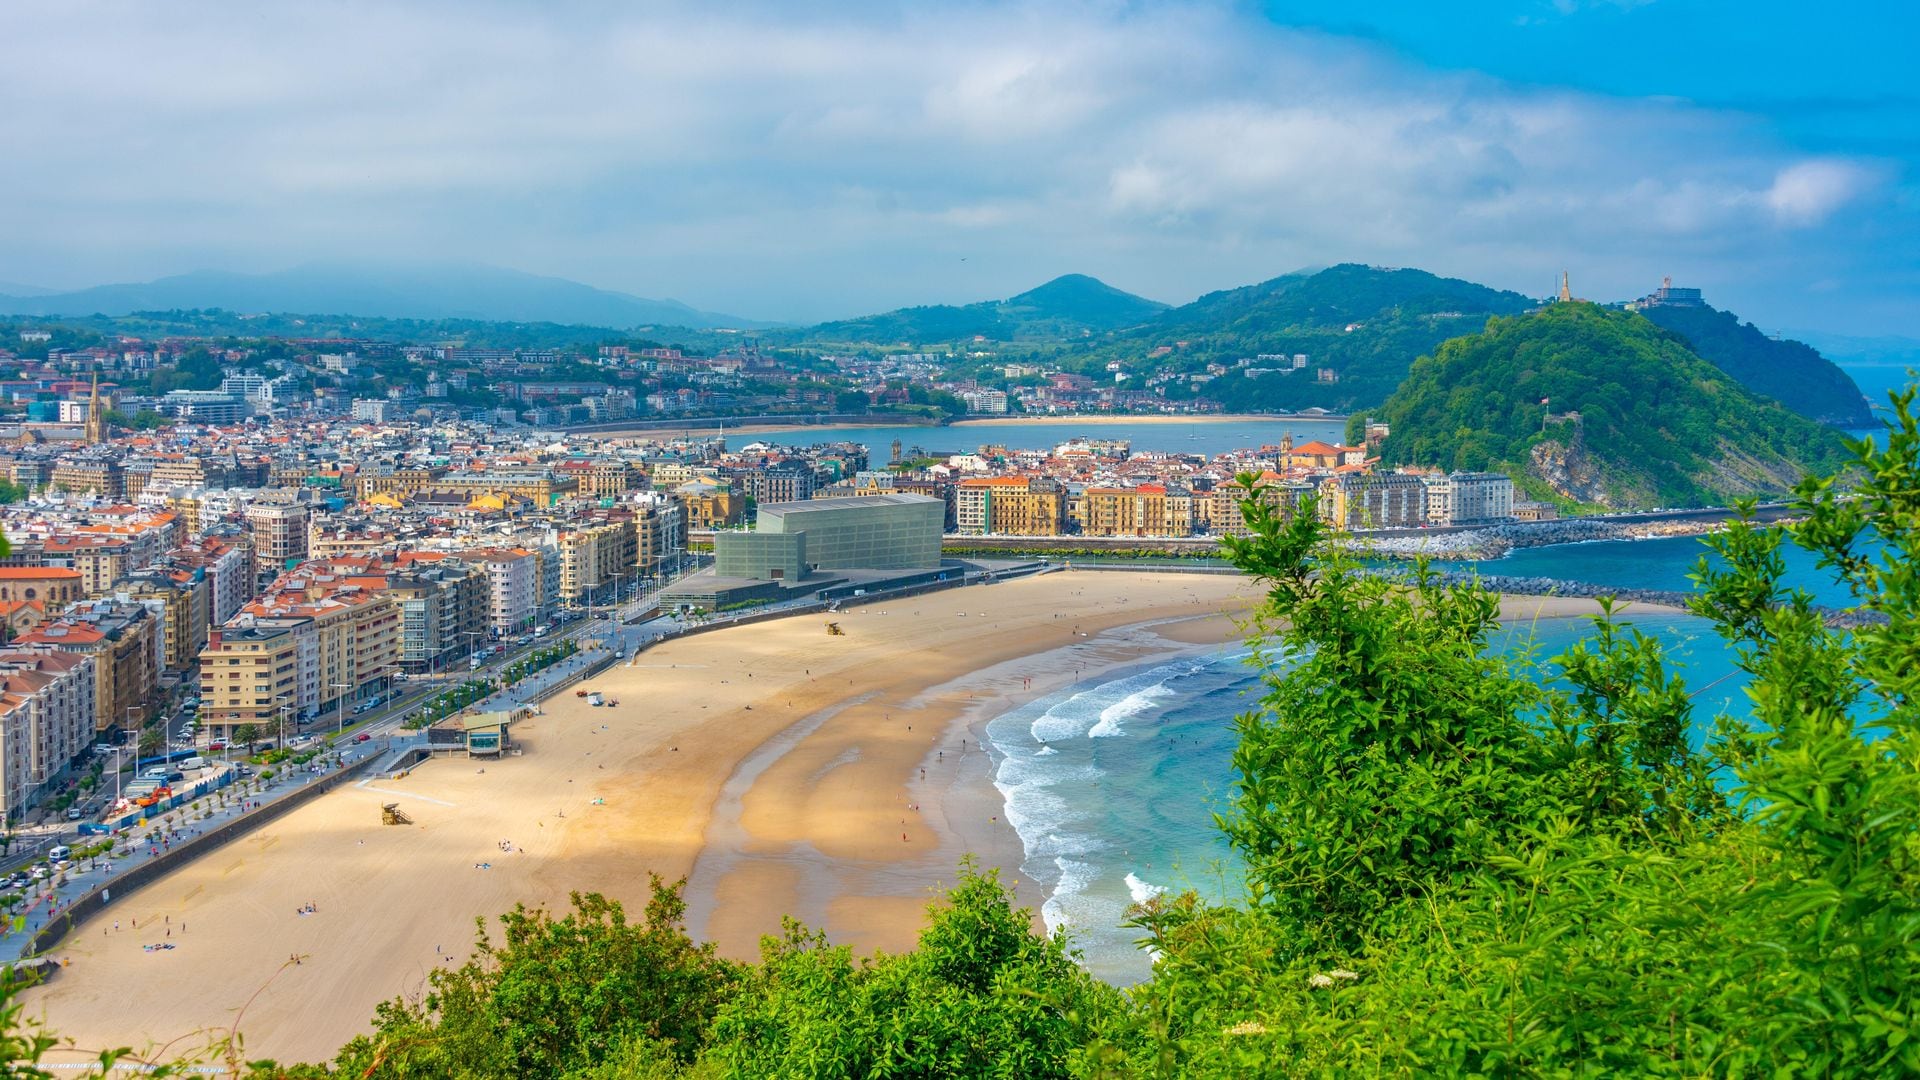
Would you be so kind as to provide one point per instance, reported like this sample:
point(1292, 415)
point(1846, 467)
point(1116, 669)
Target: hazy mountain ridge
point(424, 292)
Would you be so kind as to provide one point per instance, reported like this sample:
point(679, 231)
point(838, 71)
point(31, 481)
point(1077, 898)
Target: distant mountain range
point(1359, 327)
point(420, 292)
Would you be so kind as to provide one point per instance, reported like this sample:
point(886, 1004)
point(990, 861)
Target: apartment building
point(1219, 512)
point(1373, 501)
point(123, 638)
point(602, 479)
point(1009, 506)
point(341, 639)
point(1481, 498)
point(99, 560)
point(180, 598)
point(279, 534)
point(47, 715)
point(250, 674)
point(659, 533)
point(513, 587)
point(90, 476)
point(443, 612)
point(1156, 510)
point(592, 555)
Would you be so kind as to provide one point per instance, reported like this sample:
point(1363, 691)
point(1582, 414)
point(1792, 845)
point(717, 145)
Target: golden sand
point(837, 779)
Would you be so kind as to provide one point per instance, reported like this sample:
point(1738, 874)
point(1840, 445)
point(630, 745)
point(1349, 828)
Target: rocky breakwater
point(1492, 541)
point(1496, 540)
point(1838, 618)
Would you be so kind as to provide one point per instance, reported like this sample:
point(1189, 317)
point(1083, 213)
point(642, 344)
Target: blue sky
point(798, 162)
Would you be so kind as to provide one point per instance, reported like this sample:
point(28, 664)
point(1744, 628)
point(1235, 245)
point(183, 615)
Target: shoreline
point(773, 767)
point(1144, 418)
point(712, 426)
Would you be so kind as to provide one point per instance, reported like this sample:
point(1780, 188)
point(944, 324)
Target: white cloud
point(1808, 192)
point(785, 164)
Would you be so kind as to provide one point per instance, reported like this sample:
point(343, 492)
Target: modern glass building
point(896, 531)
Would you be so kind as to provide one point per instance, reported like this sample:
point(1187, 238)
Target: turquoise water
point(1200, 437)
point(1113, 784)
point(1661, 563)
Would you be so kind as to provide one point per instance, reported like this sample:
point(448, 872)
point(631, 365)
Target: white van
point(194, 763)
point(56, 854)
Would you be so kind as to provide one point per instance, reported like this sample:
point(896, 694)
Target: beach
point(706, 428)
point(781, 770)
point(776, 766)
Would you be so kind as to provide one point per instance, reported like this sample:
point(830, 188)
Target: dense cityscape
point(1015, 540)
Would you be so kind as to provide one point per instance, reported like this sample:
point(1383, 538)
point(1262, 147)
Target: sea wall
point(1543, 586)
point(119, 885)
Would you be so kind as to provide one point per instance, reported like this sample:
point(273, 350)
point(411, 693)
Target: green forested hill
point(1364, 323)
point(1067, 308)
point(1656, 424)
point(1790, 372)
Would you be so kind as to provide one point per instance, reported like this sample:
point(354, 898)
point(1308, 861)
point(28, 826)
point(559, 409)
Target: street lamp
point(280, 743)
point(340, 708)
point(117, 751)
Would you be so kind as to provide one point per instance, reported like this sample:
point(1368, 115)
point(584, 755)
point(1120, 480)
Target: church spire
point(96, 431)
point(1566, 290)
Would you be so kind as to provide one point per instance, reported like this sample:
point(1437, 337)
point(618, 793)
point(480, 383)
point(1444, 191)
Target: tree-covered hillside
point(1631, 417)
point(1364, 324)
point(1067, 308)
point(1791, 372)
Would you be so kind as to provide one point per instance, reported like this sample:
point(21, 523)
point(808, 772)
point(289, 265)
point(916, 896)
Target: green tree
point(557, 997)
point(982, 996)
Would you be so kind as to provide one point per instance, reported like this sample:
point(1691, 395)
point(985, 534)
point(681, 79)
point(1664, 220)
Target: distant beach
point(1155, 418)
point(713, 426)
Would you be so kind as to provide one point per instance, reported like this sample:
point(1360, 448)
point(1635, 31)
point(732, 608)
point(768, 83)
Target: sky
point(806, 161)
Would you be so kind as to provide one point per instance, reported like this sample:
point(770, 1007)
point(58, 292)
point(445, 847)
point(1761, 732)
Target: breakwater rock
point(1838, 618)
point(1496, 540)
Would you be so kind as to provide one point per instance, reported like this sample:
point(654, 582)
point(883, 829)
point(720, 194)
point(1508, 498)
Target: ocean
point(1113, 784)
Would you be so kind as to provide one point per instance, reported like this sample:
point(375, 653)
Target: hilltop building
point(1667, 296)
